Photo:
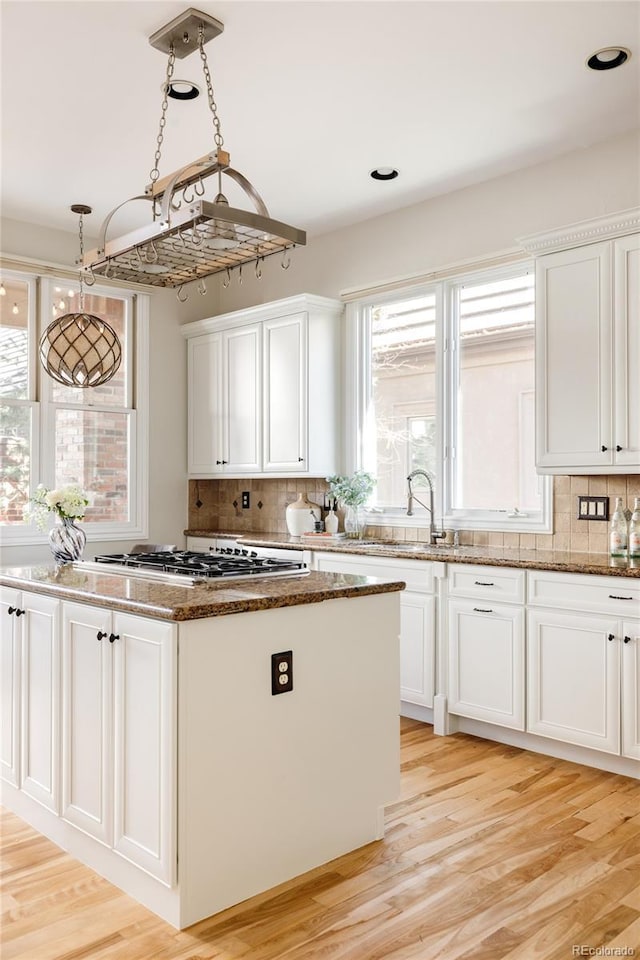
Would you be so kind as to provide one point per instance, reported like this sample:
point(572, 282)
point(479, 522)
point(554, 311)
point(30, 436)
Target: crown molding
point(586, 231)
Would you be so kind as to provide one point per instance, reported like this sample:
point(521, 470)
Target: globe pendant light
point(80, 349)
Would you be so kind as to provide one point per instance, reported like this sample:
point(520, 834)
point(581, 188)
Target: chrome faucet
point(433, 536)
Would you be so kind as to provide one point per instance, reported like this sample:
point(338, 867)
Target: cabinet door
point(40, 684)
point(574, 408)
point(145, 743)
point(626, 378)
point(285, 394)
point(631, 689)
point(10, 685)
point(573, 679)
point(417, 648)
point(87, 783)
point(242, 400)
point(204, 384)
point(486, 662)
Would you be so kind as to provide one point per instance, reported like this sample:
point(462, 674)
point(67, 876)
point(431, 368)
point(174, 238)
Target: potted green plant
point(352, 492)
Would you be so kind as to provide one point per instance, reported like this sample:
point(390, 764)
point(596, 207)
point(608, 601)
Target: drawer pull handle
point(100, 634)
point(113, 636)
point(481, 610)
point(626, 639)
point(614, 596)
point(483, 583)
point(610, 637)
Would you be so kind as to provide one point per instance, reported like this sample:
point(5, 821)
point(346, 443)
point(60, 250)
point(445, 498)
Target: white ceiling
point(311, 95)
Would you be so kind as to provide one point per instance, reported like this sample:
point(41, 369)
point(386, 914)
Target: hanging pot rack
point(190, 237)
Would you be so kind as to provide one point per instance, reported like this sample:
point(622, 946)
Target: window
point(443, 380)
point(56, 435)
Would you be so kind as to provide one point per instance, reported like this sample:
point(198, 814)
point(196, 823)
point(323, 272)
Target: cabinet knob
point(220, 462)
point(627, 639)
point(11, 609)
point(113, 636)
point(610, 637)
point(300, 459)
point(19, 613)
point(100, 634)
point(603, 448)
point(618, 448)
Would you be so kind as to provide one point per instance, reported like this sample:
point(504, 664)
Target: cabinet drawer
point(617, 595)
point(417, 574)
point(503, 583)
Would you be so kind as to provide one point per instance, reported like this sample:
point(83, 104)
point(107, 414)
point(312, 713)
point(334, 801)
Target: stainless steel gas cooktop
point(188, 566)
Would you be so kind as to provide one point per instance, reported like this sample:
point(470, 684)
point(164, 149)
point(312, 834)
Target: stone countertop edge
point(168, 601)
point(599, 564)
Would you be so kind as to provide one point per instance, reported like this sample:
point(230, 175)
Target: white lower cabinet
point(30, 703)
point(486, 661)
point(574, 678)
point(417, 615)
point(584, 661)
point(118, 739)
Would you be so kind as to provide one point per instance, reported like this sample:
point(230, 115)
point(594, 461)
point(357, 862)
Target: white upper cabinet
point(264, 390)
point(588, 347)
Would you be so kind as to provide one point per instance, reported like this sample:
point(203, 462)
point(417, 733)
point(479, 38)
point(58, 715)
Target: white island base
point(267, 787)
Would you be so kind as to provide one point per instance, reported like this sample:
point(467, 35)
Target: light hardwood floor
point(491, 853)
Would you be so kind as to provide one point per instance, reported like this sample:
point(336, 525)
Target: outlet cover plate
point(593, 508)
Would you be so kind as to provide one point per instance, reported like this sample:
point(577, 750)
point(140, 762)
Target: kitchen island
point(147, 730)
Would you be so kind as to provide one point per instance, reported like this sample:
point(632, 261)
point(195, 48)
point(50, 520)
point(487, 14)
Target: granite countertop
point(563, 562)
point(169, 601)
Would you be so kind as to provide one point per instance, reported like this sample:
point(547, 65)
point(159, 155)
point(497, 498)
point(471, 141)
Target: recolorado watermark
point(582, 950)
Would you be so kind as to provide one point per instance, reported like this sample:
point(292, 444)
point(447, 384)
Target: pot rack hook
point(182, 290)
point(202, 287)
point(240, 275)
point(286, 261)
point(227, 278)
point(185, 198)
point(89, 273)
point(199, 184)
point(152, 253)
point(195, 233)
point(258, 270)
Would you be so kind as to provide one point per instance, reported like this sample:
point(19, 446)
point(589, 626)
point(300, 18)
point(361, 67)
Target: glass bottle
point(618, 531)
point(634, 530)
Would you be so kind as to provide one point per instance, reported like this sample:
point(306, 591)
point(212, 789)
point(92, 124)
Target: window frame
point(44, 409)
point(358, 378)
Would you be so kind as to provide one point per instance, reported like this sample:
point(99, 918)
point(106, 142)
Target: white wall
point(470, 223)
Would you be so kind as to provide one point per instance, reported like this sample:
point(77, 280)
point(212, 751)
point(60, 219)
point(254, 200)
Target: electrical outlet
point(245, 499)
point(281, 672)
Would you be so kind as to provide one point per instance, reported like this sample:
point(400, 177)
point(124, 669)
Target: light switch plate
point(593, 508)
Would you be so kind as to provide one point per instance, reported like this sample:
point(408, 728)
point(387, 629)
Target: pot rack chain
point(155, 171)
point(213, 106)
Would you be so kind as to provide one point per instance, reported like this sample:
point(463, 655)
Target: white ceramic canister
point(302, 515)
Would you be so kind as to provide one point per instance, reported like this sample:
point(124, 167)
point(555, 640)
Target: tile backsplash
point(269, 499)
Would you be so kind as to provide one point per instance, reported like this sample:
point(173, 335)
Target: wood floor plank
point(491, 853)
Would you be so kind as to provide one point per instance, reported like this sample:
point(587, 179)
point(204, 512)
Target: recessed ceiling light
point(383, 173)
point(181, 90)
point(608, 58)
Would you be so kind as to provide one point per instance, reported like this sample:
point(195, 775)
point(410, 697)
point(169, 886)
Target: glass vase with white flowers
point(352, 492)
point(68, 504)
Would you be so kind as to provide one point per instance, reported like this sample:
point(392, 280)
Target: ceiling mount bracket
point(182, 33)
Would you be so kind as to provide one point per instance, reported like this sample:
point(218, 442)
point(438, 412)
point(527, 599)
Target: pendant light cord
point(80, 272)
